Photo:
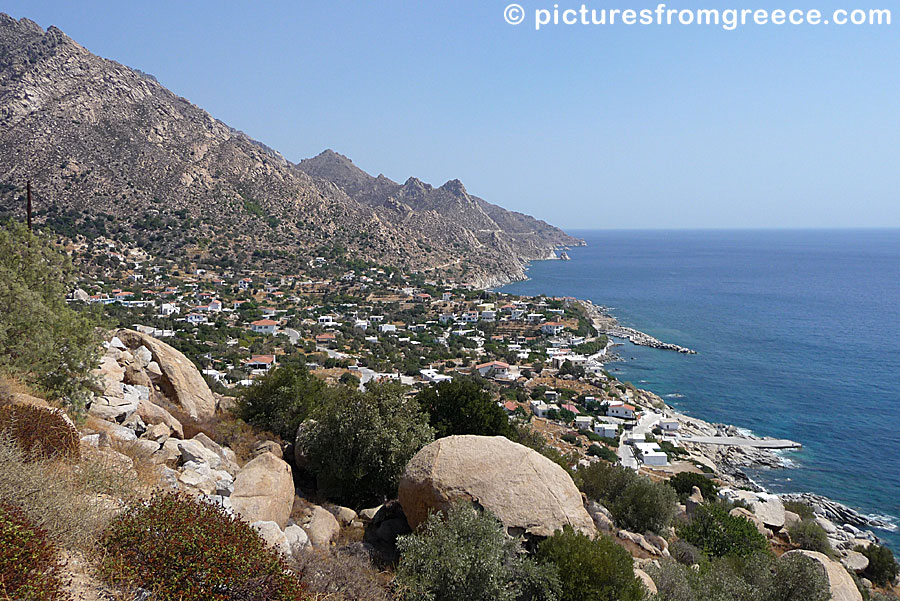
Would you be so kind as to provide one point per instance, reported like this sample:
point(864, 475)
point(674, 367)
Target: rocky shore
point(607, 324)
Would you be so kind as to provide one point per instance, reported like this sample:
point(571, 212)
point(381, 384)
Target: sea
point(797, 334)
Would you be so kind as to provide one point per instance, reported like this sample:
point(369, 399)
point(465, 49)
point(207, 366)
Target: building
point(584, 422)
point(169, 309)
point(622, 411)
point(387, 327)
point(470, 317)
point(263, 362)
point(264, 326)
point(669, 425)
point(552, 328)
point(606, 430)
point(651, 454)
point(326, 338)
point(497, 368)
point(195, 318)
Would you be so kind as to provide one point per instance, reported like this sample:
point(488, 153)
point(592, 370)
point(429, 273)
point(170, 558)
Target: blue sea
point(797, 336)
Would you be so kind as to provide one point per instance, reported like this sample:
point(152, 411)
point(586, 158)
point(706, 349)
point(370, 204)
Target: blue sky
point(586, 127)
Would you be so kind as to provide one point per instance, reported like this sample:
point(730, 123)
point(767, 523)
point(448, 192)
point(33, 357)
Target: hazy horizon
point(654, 128)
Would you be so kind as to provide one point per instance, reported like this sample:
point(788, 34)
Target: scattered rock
point(646, 581)
point(154, 414)
point(267, 446)
point(855, 561)
point(297, 538)
point(791, 518)
point(749, 515)
point(274, 536)
point(344, 515)
point(525, 490)
point(321, 527)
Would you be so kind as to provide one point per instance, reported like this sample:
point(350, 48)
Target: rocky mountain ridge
point(110, 150)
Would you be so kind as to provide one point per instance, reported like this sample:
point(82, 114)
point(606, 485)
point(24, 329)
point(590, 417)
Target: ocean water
point(797, 335)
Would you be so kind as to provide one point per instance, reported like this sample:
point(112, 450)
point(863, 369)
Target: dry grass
point(224, 429)
point(341, 576)
point(73, 502)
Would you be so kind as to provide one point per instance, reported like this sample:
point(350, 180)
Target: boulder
point(791, 518)
point(109, 377)
point(267, 446)
point(528, 493)
point(322, 527)
point(157, 433)
point(180, 380)
point(694, 501)
point(839, 580)
point(274, 536)
point(344, 515)
point(264, 490)
point(142, 356)
point(767, 507)
point(601, 516)
point(645, 579)
point(153, 414)
point(297, 538)
point(855, 561)
point(192, 450)
point(749, 515)
point(827, 525)
point(367, 515)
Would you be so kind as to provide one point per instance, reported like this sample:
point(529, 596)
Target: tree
point(467, 555)
point(684, 483)
point(42, 340)
point(807, 534)
point(358, 444)
point(463, 406)
point(719, 533)
point(636, 502)
point(591, 569)
point(281, 400)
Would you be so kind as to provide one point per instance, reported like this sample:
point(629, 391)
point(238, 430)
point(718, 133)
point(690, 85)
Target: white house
point(361, 324)
point(622, 411)
point(498, 368)
point(651, 454)
point(326, 320)
point(168, 309)
point(431, 375)
point(195, 318)
point(669, 425)
point(470, 317)
point(489, 316)
point(261, 362)
point(264, 326)
point(552, 328)
point(446, 318)
point(606, 430)
point(583, 422)
point(387, 327)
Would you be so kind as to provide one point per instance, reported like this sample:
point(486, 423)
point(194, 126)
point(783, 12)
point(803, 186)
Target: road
point(643, 427)
point(293, 334)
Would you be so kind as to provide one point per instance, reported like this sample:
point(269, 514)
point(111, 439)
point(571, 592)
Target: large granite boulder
point(321, 527)
point(181, 382)
point(154, 414)
point(767, 507)
point(839, 580)
point(529, 493)
point(264, 491)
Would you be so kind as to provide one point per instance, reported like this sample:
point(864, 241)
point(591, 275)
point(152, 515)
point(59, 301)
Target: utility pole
point(28, 204)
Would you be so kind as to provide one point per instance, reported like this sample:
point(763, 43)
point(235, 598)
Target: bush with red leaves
point(29, 563)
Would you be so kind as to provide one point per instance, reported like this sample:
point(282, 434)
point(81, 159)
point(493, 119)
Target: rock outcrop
point(264, 491)
point(841, 583)
point(180, 380)
point(529, 493)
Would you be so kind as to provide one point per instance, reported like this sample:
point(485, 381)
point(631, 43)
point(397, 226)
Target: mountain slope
point(111, 151)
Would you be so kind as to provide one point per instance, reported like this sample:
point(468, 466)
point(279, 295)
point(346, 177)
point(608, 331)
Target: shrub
point(804, 510)
point(59, 497)
point(29, 562)
point(358, 444)
point(685, 553)
point(684, 483)
point(809, 535)
point(185, 550)
point(569, 438)
point(340, 575)
point(534, 440)
point(603, 452)
point(463, 406)
point(636, 503)
point(44, 341)
point(281, 400)
point(717, 533)
point(760, 577)
point(40, 431)
point(591, 569)
point(467, 555)
point(883, 567)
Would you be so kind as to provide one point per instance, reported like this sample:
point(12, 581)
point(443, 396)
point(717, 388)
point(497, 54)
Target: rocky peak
point(455, 187)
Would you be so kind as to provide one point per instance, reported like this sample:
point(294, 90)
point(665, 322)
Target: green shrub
point(760, 577)
point(281, 400)
point(603, 452)
point(804, 510)
point(684, 483)
point(467, 555)
point(883, 568)
point(358, 444)
point(463, 406)
point(534, 440)
point(29, 563)
point(569, 438)
point(591, 569)
point(636, 503)
point(717, 533)
point(181, 549)
point(44, 341)
point(685, 553)
point(809, 535)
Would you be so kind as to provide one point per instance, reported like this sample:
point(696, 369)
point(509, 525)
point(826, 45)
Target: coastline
point(732, 463)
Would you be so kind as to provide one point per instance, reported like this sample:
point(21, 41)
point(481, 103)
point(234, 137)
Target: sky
point(583, 126)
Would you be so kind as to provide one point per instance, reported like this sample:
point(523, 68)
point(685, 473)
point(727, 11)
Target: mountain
point(110, 151)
